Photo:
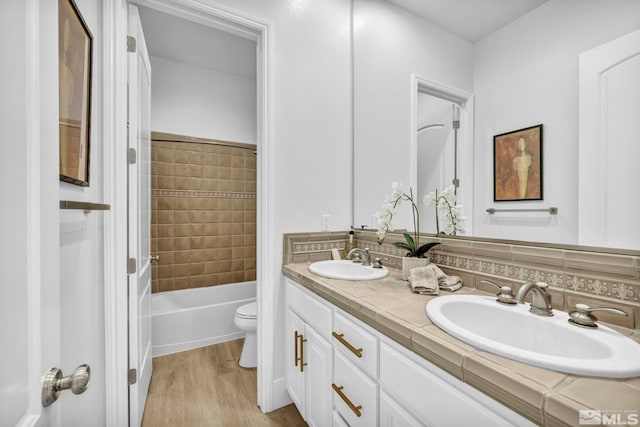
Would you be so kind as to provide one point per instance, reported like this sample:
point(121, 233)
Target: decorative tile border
point(616, 289)
point(203, 194)
point(314, 247)
point(517, 272)
point(560, 275)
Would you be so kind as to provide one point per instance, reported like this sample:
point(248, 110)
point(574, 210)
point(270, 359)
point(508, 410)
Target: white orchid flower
point(429, 198)
point(396, 190)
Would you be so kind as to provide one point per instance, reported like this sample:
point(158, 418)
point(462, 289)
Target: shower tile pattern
point(203, 222)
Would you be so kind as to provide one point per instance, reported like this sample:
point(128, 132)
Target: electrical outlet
point(324, 222)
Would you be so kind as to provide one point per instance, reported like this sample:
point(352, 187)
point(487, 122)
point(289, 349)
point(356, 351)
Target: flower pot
point(408, 263)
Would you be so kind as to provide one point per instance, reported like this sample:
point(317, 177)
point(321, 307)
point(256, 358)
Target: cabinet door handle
point(295, 343)
point(354, 408)
point(340, 337)
point(302, 362)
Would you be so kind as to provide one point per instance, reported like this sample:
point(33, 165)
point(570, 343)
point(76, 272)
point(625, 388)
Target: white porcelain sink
point(549, 342)
point(346, 270)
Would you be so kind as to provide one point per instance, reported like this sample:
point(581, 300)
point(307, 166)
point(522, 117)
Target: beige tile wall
point(574, 274)
point(203, 222)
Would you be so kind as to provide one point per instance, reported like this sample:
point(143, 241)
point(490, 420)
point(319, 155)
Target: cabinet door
point(317, 356)
point(394, 415)
point(295, 373)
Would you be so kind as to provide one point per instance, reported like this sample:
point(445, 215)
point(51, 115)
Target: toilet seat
point(247, 311)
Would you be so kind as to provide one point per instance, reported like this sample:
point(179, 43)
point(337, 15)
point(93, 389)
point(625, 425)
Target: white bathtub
point(192, 318)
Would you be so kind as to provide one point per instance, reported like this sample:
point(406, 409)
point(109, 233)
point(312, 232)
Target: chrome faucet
point(540, 298)
point(364, 255)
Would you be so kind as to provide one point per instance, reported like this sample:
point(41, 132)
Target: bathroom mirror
point(524, 74)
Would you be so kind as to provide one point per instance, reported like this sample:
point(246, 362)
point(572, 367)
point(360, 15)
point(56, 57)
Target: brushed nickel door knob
point(53, 383)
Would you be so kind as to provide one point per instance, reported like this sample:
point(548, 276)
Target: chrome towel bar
point(86, 206)
point(552, 211)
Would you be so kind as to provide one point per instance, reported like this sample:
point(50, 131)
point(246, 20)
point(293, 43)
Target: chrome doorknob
point(53, 383)
point(154, 258)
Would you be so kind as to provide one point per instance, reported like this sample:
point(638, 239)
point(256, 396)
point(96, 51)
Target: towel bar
point(552, 211)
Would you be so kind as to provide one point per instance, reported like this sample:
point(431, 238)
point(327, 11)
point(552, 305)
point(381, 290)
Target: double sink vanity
point(363, 349)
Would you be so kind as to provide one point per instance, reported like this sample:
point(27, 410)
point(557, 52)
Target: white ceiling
point(180, 40)
point(471, 20)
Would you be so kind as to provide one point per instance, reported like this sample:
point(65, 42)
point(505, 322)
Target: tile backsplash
point(203, 222)
point(574, 275)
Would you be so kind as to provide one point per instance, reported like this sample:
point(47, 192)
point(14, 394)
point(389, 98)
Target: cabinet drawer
point(392, 414)
point(356, 344)
point(338, 421)
point(355, 395)
point(309, 308)
point(437, 398)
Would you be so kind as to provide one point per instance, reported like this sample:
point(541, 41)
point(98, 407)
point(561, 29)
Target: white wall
point(526, 74)
point(82, 258)
point(310, 134)
point(200, 102)
point(390, 44)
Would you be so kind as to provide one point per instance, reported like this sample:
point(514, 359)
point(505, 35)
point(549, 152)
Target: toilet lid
point(247, 311)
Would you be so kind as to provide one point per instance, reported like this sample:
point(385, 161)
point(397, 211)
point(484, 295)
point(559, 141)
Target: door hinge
point(132, 376)
point(131, 44)
point(131, 266)
point(131, 156)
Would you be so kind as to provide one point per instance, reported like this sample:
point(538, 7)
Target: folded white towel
point(430, 279)
point(424, 280)
point(450, 283)
point(439, 273)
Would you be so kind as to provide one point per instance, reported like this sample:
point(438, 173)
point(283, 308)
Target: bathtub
point(192, 318)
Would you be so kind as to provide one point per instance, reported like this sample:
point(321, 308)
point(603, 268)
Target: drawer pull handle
point(354, 408)
point(339, 337)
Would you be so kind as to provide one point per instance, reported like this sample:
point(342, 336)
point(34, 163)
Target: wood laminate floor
point(206, 387)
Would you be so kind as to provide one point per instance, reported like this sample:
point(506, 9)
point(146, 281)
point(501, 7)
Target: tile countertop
point(545, 397)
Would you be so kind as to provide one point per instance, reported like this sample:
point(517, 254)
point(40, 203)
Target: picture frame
point(75, 53)
point(517, 165)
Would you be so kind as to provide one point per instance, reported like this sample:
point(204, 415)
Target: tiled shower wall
point(203, 221)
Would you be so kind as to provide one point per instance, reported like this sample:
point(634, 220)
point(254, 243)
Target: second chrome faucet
point(540, 298)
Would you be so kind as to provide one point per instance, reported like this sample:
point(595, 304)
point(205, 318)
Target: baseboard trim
point(280, 395)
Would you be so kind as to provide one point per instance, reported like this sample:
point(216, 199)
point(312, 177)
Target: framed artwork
point(75, 44)
point(517, 165)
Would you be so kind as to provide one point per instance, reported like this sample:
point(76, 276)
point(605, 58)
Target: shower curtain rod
point(170, 137)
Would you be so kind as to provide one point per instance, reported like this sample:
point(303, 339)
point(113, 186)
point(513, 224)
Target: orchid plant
point(445, 205)
point(412, 244)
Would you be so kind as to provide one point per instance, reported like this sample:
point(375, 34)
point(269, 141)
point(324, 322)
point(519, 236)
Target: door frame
point(115, 130)
point(465, 100)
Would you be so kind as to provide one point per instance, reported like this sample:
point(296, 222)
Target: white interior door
point(139, 224)
point(29, 251)
point(609, 149)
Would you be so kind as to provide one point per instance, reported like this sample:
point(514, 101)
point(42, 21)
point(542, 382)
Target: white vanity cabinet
point(309, 357)
point(371, 379)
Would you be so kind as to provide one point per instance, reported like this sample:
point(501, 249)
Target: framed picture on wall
point(517, 165)
point(75, 44)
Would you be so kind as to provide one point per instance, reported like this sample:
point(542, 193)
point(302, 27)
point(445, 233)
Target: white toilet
point(246, 319)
